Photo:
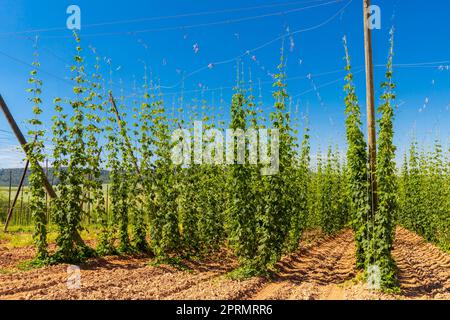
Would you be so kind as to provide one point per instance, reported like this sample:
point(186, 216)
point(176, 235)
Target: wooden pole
point(127, 140)
point(9, 190)
point(46, 195)
point(370, 101)
point(21, 208)
point(107, 201)
point(23, 142)
point(19, 189)
point(89, 202)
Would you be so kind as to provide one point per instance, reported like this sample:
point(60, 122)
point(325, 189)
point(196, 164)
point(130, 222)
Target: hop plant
point(68, 209)
point(384, 219)
point(35, 154)
point(356, 166)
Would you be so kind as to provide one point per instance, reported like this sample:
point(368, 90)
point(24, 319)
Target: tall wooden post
point(19, 189)
point(24, 217)
point(370, 101)
point(125, 136)
point(9, 190)
point(23, 142)
point(107, 201)
point(46, 195)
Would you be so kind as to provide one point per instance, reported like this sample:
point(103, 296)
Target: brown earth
point(322, 269)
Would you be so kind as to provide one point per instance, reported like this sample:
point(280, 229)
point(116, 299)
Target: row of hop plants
point(373, 218)
point(417, 196)
point(424, 193)
point(166, 210)
point(22, 213)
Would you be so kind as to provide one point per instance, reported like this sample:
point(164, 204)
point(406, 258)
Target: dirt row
point(322, 269)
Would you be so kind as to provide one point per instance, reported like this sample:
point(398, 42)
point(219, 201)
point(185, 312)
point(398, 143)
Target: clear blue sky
point(166, 43)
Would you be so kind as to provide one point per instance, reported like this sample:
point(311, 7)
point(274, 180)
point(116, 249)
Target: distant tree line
point(16, 174)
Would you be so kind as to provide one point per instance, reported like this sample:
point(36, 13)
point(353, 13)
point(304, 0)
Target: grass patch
point(244, 272)
point(22, 236)
point(30, 265)
point(22, 239)
point(16, 239)
point(4, 271)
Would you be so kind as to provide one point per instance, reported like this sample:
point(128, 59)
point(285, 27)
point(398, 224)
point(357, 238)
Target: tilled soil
point(321, 269)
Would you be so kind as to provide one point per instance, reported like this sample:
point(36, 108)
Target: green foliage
point(93, 187)
point(383, 229)
point(212, 207)
point(71, 164)
point(241, 217)
point(189, 209)
point(35, 154)
point(162, 194)
point(115, 227)
point(301, 183)
point(332, 211)
point(424, 194)
point(356, 167)
point(328, 200)
point(279, 195)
